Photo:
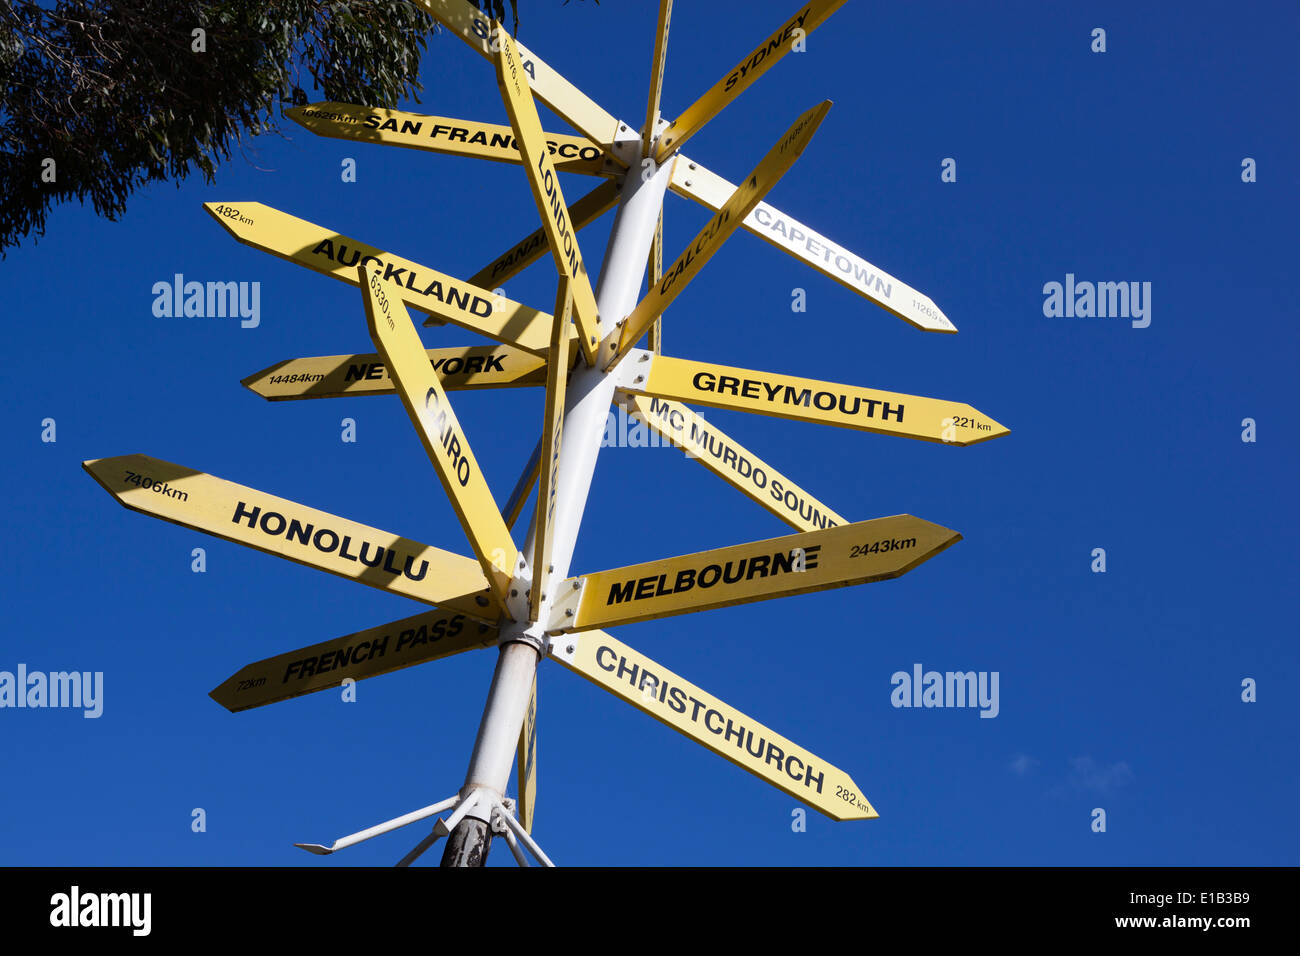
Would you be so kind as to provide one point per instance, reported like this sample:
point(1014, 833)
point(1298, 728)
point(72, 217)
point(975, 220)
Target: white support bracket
point(517, 598)
point(563, 647)
point(627, 148)
point(564, 611)
point(361, 836)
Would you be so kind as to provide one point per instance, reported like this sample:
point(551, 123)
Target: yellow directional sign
point(334, 376)
point(528, 250)
point(526, 762)
point(369, 653)
point(557, 374)
point(442, 134)
point(439, 430)
point(523, 489)
point(697, 714)
point(548, 195)
point(806, 244)
point(778, 567)
point(656, 75)
point(565, 99)
point(655, 272)
point(337, 256)
point(809, 400)
point(733, 462)
point(287, 529)
point(808, 18)
point(715, 232)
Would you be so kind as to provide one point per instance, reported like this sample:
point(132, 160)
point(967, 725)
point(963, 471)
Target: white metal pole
point(588, 398)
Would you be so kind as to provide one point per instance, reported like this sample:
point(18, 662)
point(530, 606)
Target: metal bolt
point(570, 649)
point(640, 378)
point(550, 569)
point(481, 601)
point(691, 165)
point(688, 182)
point(568, 612)
point(644, 357)
point(514, 592)
point(575, 585)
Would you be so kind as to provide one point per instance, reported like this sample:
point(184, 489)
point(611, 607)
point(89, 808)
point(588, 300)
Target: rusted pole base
point(468, 844)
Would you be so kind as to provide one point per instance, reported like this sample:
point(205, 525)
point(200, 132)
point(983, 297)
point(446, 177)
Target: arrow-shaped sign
point(697, 714)
point(796, 29)
point(442, 134)
point(557, 374)
point(336, 376)
point(440, 432)
point(545, 184)
point(287, 529)
point(716, 231)
point(528, 250)
point(565, 99)
point(806, 244)
point(696, 182)
point(369, 653)
point(733, 462)
point(656, 75)
point(526, 762)
point(778, 567)
point(826, 403)
point(441, 296)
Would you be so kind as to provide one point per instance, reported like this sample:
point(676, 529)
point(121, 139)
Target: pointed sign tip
point(216, 690)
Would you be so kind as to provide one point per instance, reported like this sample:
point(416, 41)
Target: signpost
point(526, 762)
point(809, 246)
point(334, 376)
point(548, 195)
point(716, 231)
point(369, 653)
point(531, 248)
point(444, 298)
point(441, 134)
point(825, 403)
point(526, 601)
point(698, 715)
point(557, 377)
point(733, 462)
point(778, 567)
point(439, 430)
point(761, 59)
point(287, 529)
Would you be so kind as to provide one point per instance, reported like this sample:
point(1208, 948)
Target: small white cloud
point(1087, 774)
point(1021, 764)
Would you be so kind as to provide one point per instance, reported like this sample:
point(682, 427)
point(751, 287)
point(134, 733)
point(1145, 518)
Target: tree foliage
point(118, 93)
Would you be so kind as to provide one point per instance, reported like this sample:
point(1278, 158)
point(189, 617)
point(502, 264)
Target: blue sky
point(1118, 690)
